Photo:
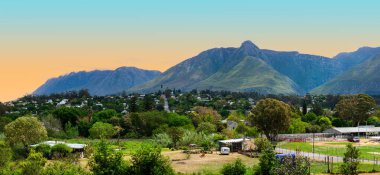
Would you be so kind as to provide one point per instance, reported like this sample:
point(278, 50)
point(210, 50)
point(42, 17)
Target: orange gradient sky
point(43, 39)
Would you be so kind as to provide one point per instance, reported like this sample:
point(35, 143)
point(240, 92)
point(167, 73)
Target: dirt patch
point(197, 163)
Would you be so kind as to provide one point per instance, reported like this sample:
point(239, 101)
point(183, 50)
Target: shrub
point(267, 162)
point(236, 168)
point(5, 154)
point(288, 165)
point(33, 164)
point(163, 139)
point(60, 150)
point(350, 161)
point(106, 161)
point(44, 149)
point(61, 168)
point(262, 144)
point(148, 160)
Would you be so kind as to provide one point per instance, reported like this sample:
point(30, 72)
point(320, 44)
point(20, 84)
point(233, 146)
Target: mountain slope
point(363, 78)
point(98, 82)
point(251, 74)
point(301, 72)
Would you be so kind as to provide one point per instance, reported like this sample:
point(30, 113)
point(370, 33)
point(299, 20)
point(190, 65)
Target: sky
point(41, 39)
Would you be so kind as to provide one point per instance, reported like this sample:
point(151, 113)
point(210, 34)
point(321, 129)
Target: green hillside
point(363, 78)
point(251, 74)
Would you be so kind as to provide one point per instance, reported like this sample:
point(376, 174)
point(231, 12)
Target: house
point(75, 146)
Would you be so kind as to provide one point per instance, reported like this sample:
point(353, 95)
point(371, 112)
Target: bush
point(61, 168)
point(60, 150)
point(5, 154)
point(148, 160)
point(106, 161)
point(267, 162)
point(163, 139)
point(236, 168)
point(44, 149)
point(288, 165)
point(33, 164)
point(262, 144)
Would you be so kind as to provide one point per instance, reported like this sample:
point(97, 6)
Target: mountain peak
point(249, 45)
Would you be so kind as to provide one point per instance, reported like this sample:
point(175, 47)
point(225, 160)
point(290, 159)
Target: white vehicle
point(224, 150)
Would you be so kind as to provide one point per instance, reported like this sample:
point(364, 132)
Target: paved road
point(166, 104)
point(321, 157)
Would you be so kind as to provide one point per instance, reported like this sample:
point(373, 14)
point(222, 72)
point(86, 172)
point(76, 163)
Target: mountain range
point(98, 82)
point(246, 68)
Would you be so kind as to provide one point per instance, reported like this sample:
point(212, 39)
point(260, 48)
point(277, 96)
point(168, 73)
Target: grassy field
point(321, 168)
point(334, 148)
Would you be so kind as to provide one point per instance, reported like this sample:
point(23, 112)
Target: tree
point(175, 133)
point(106, 161)
point(25, 130)
point(236, 168)
point(206, 127)
point(204, 114)
point(148, 160)
point(356, 108)
point(60, 150)
point(102, 130)
point(292, 166)
point(5, 154)
point(271, 117)
point(66, 114)
point(262, 144)
point(104, 116)
point(148, 103)
point(34, 164)
point(350, 161)
point(133, 104)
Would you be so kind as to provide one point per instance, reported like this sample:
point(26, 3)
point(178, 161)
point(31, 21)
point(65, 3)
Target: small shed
point(235, 145)
point(75, 146)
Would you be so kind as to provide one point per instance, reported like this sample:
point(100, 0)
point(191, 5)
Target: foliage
point(262, 144)
point(67, 114)
point(148, 161)
point(292, 166)
point(44, 149)
point(297, 126)
point(102, 130)
point(175, 133)
point(236, 168)
point(206, 127)
point(106, 161)
point(267, 162)
point(163, 139)
point(356, 108)
point(3, 122)
point(271, 117)
point(60, 150)
point(350, 161)
point(26, 130)
point(309, 117)
point(62, 168)
point(104, 116)
point(5, 154)
point(34, 164)
point(204, 114)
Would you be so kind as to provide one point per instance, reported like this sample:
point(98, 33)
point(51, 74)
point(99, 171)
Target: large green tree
point(271, 117)
point(25, 130)
point(102, 130)
point(356, 108)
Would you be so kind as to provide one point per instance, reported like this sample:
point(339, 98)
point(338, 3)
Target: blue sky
point(47, 38)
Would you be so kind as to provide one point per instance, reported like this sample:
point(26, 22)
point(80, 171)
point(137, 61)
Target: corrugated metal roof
point(71, 145)
point(353, 129)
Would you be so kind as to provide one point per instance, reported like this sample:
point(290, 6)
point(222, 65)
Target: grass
point(336, 149)
point(320, 168)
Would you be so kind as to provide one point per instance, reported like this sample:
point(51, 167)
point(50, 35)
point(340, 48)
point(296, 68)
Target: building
point(235, 145)
point(361, 130)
